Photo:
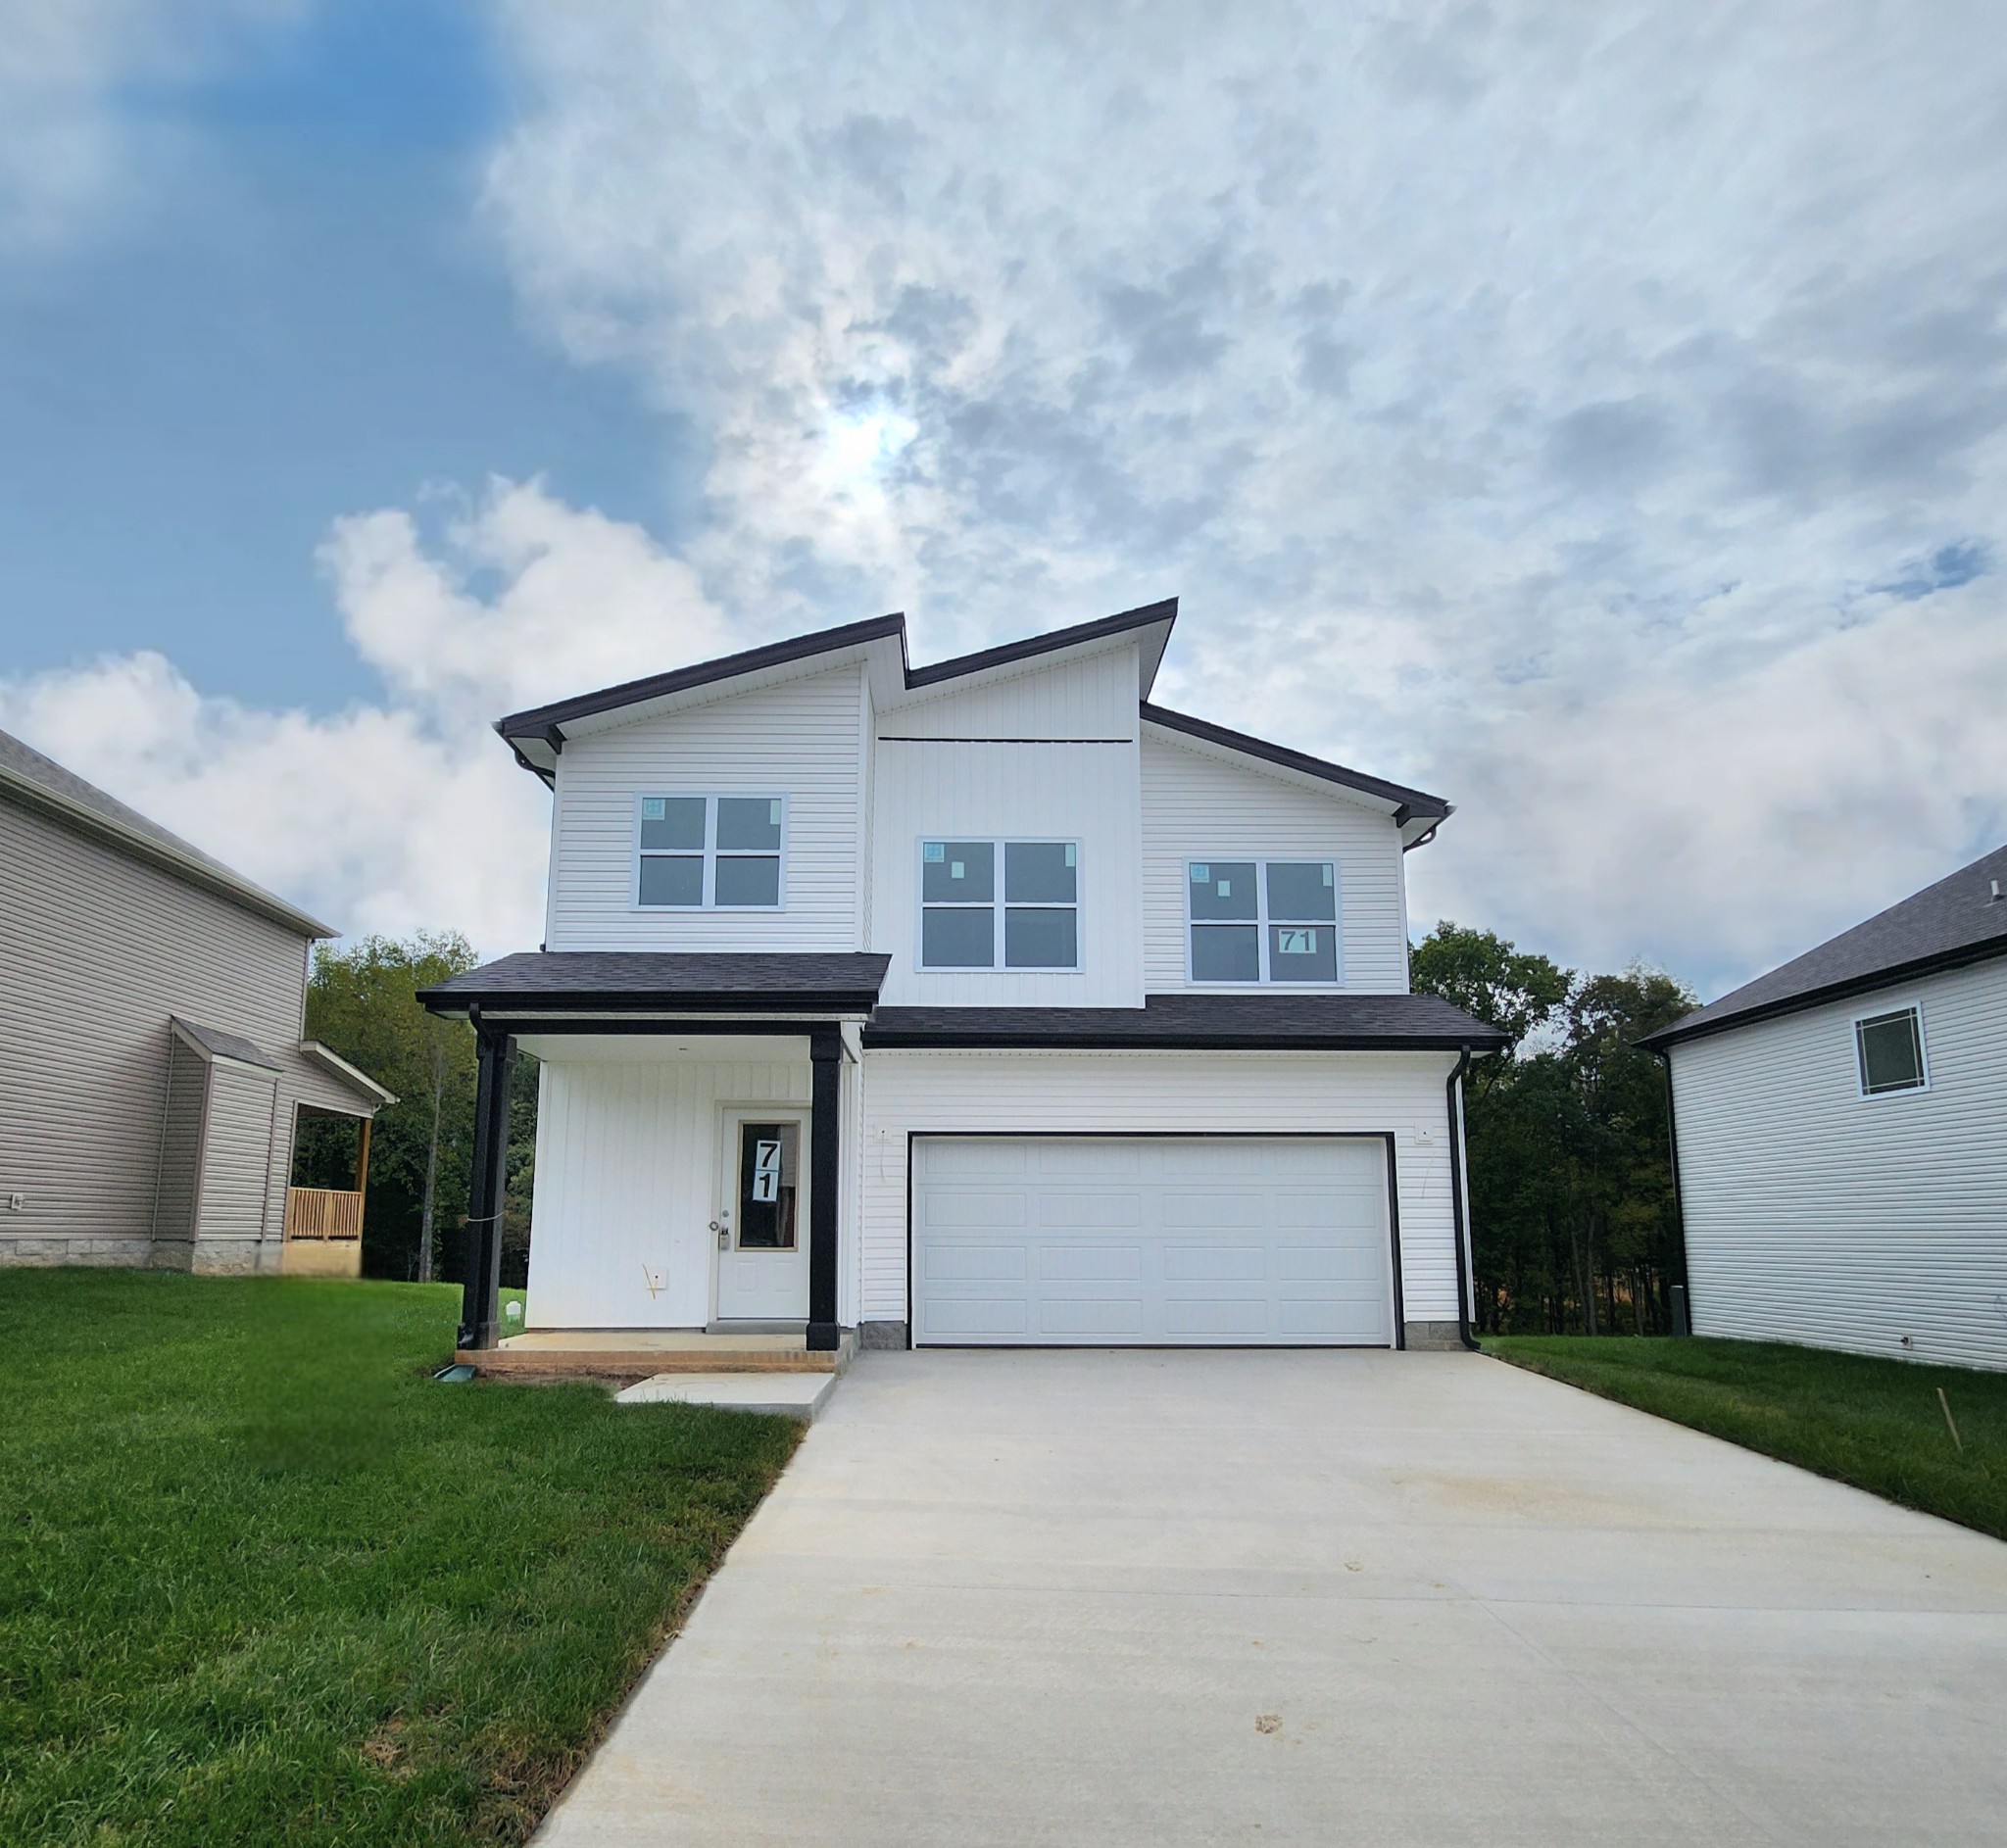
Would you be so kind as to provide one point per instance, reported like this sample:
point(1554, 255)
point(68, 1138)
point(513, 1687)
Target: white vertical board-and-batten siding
point(1003, 786)
point(1815, 1214)
point(1198, 807)
point(1191, 1093)
point(800, 740)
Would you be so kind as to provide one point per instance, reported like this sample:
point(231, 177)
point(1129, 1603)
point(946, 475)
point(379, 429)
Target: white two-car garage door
point(1097, 1241)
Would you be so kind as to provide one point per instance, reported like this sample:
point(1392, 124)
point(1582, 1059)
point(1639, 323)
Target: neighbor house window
point(715, 853)
point(1891, 1047)
point(999, 905)
point(1262, 920)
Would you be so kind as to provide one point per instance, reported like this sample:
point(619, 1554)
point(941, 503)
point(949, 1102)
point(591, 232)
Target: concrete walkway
point(1145, 1598)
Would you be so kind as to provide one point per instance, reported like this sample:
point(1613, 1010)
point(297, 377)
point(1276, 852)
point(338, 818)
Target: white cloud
point(409, 813)
point(1497, 383)
point(70, 145)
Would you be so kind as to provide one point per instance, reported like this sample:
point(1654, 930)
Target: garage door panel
point(1063, 1263)
point(1306, 1257)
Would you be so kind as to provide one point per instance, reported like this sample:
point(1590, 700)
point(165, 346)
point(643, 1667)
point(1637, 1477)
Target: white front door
point(762, 1226)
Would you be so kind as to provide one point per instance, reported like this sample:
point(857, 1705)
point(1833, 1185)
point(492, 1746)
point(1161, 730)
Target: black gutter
point(1665, 1061)
point(915, 1038)
point(1962, 957)
point(1453, 1093)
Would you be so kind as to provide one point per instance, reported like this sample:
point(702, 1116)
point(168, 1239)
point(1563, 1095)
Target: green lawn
point(1874, 1422)
point(261, 1580)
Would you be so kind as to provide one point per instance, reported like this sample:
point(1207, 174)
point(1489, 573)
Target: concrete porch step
point(628, 1353)
point(785, 1395)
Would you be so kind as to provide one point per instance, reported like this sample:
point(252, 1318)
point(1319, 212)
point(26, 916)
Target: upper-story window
point(1890, 1049)
point(710, 853)
point(1262, 920)
point(999, 905)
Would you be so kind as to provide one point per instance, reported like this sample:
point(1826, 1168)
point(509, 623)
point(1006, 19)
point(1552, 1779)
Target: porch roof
point(625, 981)
point(1325, 1023)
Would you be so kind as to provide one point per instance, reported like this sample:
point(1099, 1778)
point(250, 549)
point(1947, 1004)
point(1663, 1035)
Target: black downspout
point(825, 1171)
point(1665, 1059)
point(479, 1310)
point(1453, 1099)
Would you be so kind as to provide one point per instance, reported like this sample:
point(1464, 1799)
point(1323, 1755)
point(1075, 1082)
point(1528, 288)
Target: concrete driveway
point(1154, 1598)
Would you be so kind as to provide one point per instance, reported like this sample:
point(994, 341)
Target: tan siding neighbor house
point(152, 1053)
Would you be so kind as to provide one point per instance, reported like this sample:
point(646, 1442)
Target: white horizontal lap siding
point(626, 1186)
point(1091, 698)
point(1196, 807)
point(1084, 793)
point(96, 952)
point(1814, 1214)
point(799, 740)
point(1190, 1092)
point(236, 1160)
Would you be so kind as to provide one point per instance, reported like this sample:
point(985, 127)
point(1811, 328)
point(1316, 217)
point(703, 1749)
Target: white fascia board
point(335, 1067)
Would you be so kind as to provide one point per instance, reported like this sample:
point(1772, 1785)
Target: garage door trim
point(1383, 1137)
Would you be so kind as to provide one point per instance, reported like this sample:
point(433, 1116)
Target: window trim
point(1915, 1012)
point(998, 906)
point(1262, 920)
point(711, 855)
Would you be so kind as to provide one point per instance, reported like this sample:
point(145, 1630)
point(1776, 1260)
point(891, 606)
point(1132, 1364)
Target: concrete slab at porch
point(631, 1353)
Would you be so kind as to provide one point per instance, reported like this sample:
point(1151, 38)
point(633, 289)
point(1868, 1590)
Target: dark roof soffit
point(542, 722)
point(1032, 647)
point(1411, 805)
point(545, 723)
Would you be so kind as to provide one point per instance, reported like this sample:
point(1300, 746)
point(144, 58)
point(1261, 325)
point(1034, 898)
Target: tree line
point(1573, 1227)
point(361, 1001)
point(1574, 1224)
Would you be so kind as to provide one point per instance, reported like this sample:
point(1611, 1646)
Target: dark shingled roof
point(585, 980)
point(227, 1046)
point(1220, 1022)
point(1956, 921)
point(22, 763)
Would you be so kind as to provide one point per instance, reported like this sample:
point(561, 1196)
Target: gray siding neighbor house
point(1840, 1132)
point(153, 1064)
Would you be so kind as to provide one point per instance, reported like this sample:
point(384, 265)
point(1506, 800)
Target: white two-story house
point(982, 1003)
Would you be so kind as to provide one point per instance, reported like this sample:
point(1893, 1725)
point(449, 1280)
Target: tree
point(1570, 1169)
point(362, 1001)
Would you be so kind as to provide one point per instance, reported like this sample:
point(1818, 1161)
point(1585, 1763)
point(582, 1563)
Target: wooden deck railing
point(318, 1212)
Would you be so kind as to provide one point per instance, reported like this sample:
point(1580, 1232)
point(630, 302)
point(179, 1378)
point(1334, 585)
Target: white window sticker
point(1327, 870)
point(1226, 888)
point(1069, 854)
point(1298, 944)
point(773, 821)
point(955, 869)
point(1201, 874)
point(654, 809)
point(936, 853)
point(766, 1171)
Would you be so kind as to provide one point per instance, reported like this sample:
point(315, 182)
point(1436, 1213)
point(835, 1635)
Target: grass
point(263, 1582)
point(1875, 1424)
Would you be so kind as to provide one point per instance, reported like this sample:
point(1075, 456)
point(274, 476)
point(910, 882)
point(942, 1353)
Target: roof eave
point(1962, 957)
point(197, 872)
point(1409, 808)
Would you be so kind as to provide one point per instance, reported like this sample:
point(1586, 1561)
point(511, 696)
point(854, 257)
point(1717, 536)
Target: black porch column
point(825, 1169)
point(478, 1303)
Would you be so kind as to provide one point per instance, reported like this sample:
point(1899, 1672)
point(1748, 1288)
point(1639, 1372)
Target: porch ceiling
point(665, 1048)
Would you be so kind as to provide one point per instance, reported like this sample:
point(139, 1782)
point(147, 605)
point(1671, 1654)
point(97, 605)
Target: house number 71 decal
point(766, 1172)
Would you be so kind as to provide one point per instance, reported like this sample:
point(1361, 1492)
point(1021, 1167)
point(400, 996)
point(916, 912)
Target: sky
point(1595, 414)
